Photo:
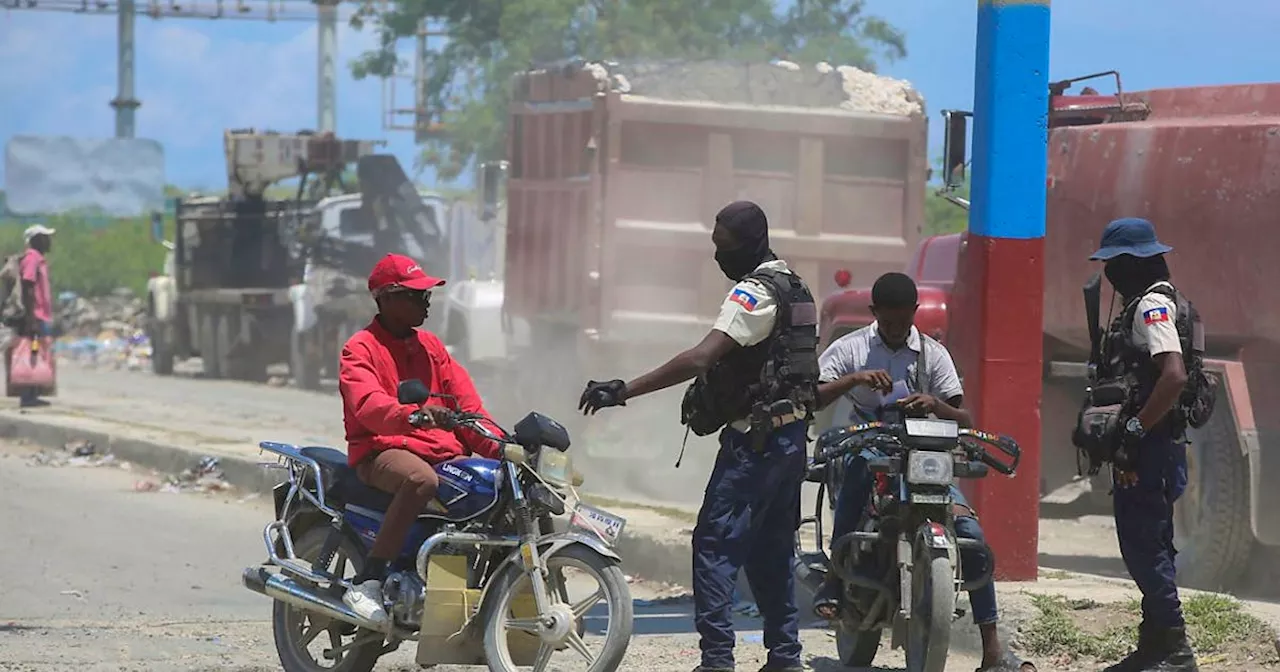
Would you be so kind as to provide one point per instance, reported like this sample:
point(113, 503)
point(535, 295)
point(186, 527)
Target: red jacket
point(373, 363)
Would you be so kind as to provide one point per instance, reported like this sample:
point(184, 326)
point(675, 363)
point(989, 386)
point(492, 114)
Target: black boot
point(1142, 656)
point(1171, 652)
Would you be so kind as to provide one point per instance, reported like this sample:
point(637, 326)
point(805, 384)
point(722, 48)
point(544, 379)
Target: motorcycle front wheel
point(512, 631)
point(856, 648)
point(933, 597)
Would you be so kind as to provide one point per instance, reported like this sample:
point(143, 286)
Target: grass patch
point(1083, 628)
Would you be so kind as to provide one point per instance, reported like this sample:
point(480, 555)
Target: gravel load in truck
point(777, 84)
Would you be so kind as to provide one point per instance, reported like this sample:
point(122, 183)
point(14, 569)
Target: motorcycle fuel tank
point(468, 487)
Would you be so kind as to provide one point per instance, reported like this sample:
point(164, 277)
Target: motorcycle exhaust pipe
point(291, 592)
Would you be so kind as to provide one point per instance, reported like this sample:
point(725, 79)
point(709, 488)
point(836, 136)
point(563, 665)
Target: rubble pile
point(105, 331)
point(120, 311)
point(779, 83)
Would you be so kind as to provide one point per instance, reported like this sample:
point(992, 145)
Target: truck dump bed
point(1203, 168)
point(617, 171)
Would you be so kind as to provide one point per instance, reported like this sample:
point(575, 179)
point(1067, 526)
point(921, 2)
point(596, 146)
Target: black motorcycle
point(900, 569)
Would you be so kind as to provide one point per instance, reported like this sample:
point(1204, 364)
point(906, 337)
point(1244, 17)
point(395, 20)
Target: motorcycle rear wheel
point(291, 625)
point(933, 606)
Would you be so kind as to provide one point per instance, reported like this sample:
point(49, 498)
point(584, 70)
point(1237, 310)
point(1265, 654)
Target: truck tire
point(210, 359)
point(1211, 520)
point(223, 341)
point(161, 337)
point(246, 362)
point(302, 366)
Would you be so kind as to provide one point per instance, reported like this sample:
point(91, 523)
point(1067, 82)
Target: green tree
point(941, 215)
point(491, 40)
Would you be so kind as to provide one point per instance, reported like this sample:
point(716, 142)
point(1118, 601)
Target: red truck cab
point(933, 267)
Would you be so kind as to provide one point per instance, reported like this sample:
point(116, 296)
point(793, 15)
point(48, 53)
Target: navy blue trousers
point(748, 520)
point(1144, 527)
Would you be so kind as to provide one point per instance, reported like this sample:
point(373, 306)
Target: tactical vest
point(782, 367)
point(1124, 360)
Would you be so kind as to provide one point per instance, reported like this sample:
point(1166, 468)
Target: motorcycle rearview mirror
point(412, 391)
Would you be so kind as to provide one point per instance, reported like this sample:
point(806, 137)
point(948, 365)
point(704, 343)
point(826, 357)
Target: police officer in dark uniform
point(756, 377)
point(1149, 468)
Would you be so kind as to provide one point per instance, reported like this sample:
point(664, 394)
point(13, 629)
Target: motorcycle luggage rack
point(290, 563)
point(299, 467)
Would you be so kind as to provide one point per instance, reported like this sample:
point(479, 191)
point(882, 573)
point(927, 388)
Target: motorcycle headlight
point(930, 468)
point(555, 467)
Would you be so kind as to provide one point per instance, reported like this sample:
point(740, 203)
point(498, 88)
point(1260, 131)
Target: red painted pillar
point(997, 328)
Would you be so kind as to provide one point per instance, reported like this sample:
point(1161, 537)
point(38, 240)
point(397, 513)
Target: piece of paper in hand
point(899, 391)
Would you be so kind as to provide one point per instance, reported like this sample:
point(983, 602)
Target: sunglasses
point(421, 295)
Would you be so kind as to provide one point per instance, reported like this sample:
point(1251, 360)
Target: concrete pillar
point(1000, 294)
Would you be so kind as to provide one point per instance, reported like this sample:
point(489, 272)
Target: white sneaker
point(366, 600)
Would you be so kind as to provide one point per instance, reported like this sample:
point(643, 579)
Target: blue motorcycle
point(484, 577)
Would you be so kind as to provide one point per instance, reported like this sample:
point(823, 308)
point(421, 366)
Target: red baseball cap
point(399, 270)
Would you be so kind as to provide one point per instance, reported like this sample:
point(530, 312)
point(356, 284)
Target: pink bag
point(31, 364)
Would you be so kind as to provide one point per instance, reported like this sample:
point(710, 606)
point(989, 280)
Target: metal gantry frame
point(325, 12)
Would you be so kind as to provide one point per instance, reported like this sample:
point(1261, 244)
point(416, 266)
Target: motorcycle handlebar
point(888, 442)
point(474, 421)
point(1005, 444)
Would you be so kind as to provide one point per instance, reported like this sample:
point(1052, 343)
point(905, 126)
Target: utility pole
point(1000, 282)
point(326, 55)
point(125, 104)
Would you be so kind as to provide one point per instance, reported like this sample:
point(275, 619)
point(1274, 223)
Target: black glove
point(602, 395)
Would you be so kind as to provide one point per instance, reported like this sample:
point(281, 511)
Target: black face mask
point(1131, 276)
point(737, 262)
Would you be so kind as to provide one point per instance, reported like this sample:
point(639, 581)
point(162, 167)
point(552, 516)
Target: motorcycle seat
point(342, 486)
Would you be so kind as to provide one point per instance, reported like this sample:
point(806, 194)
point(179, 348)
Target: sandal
point(1010, 663)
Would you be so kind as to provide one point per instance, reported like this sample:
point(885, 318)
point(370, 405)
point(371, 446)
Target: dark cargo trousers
point(748, 520)
point(1144, 527)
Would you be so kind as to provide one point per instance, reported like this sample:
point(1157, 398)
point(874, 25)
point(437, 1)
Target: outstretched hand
point(600, 395)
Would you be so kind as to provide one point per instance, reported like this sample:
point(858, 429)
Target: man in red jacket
point(388, 452)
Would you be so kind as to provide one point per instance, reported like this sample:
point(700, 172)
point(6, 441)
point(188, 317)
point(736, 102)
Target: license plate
point(921, 498)
point(601, 522)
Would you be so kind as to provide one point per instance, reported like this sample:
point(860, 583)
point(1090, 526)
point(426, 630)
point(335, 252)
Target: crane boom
point(258, 159)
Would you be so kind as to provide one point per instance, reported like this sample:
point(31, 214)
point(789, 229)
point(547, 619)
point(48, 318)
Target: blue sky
point(196, 77)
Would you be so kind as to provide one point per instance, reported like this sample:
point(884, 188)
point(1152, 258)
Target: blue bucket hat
point(1130, 235)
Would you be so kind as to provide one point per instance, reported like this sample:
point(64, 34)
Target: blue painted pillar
point(1000, 289)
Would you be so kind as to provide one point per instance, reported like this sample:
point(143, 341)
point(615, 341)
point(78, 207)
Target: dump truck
point(250, 282)
point(616, 171)
point(1195, 162)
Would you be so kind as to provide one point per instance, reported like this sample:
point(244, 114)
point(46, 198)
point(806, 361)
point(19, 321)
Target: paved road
point(95, 576)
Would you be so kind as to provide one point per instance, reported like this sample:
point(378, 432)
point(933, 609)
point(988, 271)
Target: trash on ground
point(79, 453)
point(204, 477)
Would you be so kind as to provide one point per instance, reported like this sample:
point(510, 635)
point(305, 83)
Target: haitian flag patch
point(1157, 314)
point(744, 298)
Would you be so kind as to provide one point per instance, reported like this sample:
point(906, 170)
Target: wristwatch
point(1134, 427)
